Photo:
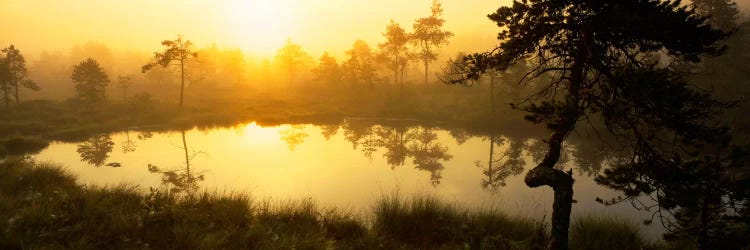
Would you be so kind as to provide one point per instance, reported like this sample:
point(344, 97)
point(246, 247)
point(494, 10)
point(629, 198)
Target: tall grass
point(426, 222)
point(42, 206)
point(590, 232)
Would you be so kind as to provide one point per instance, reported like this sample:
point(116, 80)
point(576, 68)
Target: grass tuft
point(600, 232)
point(428, 222)
point(42, 206)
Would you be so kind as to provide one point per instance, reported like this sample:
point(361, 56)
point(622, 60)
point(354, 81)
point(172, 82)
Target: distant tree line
point(13, 75)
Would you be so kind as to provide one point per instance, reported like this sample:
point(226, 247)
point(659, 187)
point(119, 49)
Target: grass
point(73, 121)
point(426, 222)
point(600, 232)
point(42, 206)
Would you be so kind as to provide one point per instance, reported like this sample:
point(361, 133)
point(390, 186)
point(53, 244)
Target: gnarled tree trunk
point(545, 174)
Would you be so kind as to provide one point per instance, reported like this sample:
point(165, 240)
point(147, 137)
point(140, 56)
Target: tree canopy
point(179, 51)
point(292, 58)
point(608, 62)
point(395, 53)
point(428, 36)
point(15, 73)
point(91, 81)
point(360, 67)
point(328, 70)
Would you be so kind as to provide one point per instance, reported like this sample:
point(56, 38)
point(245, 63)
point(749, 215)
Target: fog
point(534, 124)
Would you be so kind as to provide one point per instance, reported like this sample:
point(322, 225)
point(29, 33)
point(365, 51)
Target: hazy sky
point(256, 26)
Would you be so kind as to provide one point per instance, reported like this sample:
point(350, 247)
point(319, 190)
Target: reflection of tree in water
point(506, 159)
point(509, 163)
point(181, 180)
point(587, 155)
point(130, 145)
point(361, 134)
point(591, 155)
point(428, 153)
point(461, 135)
point(293, 136)
point(329, 130)
point(538, 149)
point(394, 141)
point(398, 144)
point(144, 135)
point(95, 150)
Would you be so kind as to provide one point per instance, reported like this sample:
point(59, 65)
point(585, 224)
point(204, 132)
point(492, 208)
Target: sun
point(259, 25)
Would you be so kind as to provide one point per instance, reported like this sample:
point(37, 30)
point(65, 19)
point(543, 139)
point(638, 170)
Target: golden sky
point(256, 26)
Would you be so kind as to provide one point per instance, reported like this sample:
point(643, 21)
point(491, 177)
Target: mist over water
point(323, 124)
point(320, 163)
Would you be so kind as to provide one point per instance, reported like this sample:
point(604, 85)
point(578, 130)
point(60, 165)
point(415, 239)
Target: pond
point(346, 165)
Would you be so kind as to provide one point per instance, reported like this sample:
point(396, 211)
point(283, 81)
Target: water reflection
point(402, 155)
point(128, 145)
point(95, 150)
point(429, 154)
point(585, 155)
point(360, 134)
point(499, 168)
point(293, 136)
point(394, 140)
point(398, 143)
point(460, 135)
point(329, 130)
point(181, 180)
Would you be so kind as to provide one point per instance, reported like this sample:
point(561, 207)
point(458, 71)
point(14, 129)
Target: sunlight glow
point(258, 135)
point(260, 25)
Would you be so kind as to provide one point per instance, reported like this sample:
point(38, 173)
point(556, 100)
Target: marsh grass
point(72, 121)
point(603, 232)
point(42, 206)
point(426, 222)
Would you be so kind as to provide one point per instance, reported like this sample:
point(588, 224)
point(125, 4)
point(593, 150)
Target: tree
point(597, 57)
point(179, 51)
point(395, 52)
point(5, 79)
point(723, 14)
point(124, 82)
point(328, 70)
point(428, 36)
point(91, 81)
point(18, 74)
point(292, 58)
point(360, 66)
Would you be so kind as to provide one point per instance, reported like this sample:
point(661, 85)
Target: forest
point(577, 124)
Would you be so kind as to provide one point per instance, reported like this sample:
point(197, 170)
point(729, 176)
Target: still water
point(346, 166)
